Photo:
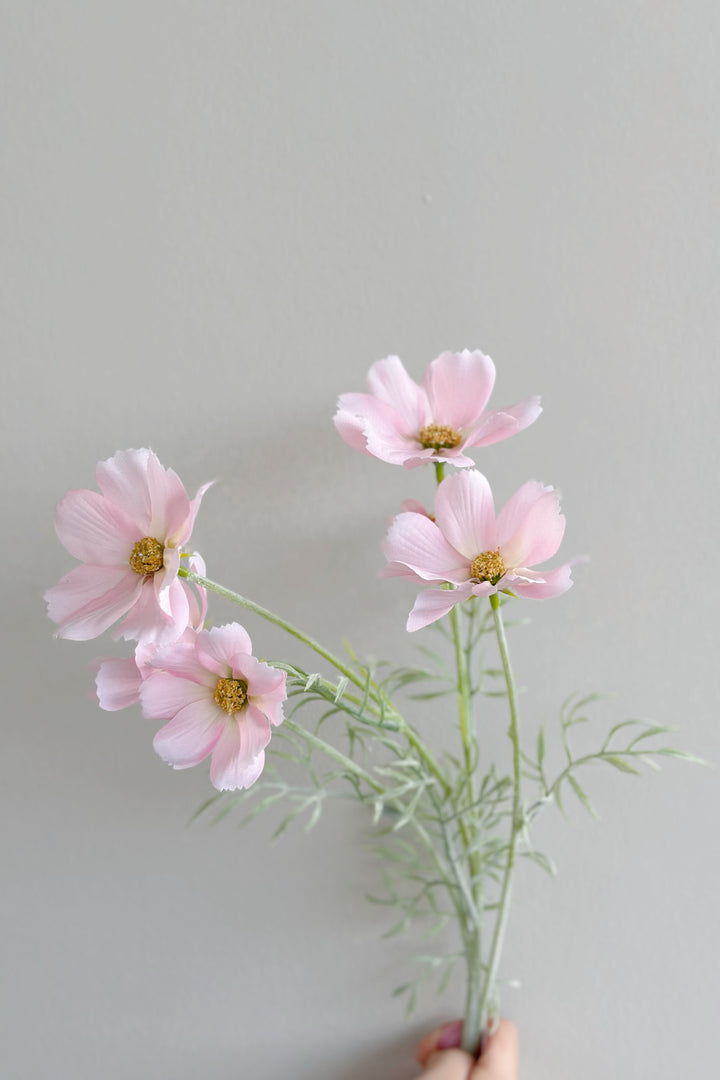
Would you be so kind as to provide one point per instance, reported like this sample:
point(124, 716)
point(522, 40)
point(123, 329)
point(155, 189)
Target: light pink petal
point(453, 456)
point(93, 530)
point(118, 684)
point(238, 757)
point(217, 647)
point(418, 543)
point(459, 386)
point(538, 534)
point(412, 506)
point(484, 588)
point(465, 513)
point(389, 382)
point(380, 426)
point(89, 599)
point(123, 479)
point(396, 569)
point(163, 580)
point(180, 659)
point(503, 423)
point(191, 735)
point(420, 456)
point(145, 622)
point(517, 508)
point(351, 429)
point(432, 604)
point(555, 582)
point(261, 678)
point(199, 605)
point(180, 524)
point(271, 704)
point(162, 695)
point(266, 685)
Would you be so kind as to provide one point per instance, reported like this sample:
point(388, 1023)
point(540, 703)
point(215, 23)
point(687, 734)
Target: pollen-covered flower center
point(439, 437)
point(231, 694)
point(147, 556)
point(488, 567)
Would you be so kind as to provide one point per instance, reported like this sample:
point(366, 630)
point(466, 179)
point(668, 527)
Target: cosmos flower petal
point(145, 621)
point(554, 583)
point(164, 694)
point(417, 542)
point(432, 604)
point(388, 381)
point(89, 599)
point(465, 513)
point(94, 531)
point(374, 427)
point(118, 683)
point(271, 704)
point(502, 423)
point(180, 659)
point(181, 515)
point(538, 534)
point(458, 386)
point(123, 481)
point(238, 756)
point(517, 507)
point(191, 735)
point(217, 647)
point(262, 677)
point(197, 595)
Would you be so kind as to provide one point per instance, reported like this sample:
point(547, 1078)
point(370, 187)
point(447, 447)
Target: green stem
point(352, 767)
point(463, 696)
point(337, 755)
point(504, 903)
point(473, 943)
point(408, 731)
point(472, 928)
point(276, 620)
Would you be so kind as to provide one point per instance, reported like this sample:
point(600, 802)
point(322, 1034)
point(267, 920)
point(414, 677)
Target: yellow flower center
point(231, 695)
point(439, 437)
point(147, 556)
point(488, 567)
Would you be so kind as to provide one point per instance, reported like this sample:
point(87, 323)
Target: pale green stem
point(408, 731)
point(516, 825)
point(337, 755)
point(352, 767)
point(473, 946)
point(472, 934)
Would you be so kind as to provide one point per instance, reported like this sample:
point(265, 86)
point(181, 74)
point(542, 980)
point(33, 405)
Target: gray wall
point(215, 216)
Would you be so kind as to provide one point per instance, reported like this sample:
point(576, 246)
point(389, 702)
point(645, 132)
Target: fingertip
point(448, 1065)
point(500, 1056)
point(446, 1037)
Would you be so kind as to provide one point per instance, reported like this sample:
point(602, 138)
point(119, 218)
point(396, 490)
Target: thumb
point(500, 1057)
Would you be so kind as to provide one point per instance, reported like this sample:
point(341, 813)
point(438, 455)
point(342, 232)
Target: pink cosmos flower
point(118, 679)
point(129, 538)
point(468, 547)
point(219, 701)
point(410, 425)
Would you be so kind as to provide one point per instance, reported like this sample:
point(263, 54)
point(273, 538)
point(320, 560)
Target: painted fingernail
point(450, 1035)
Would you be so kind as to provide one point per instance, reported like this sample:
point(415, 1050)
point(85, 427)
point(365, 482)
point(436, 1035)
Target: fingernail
point(450, 1036)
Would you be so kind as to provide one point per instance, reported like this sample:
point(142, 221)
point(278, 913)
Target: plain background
point(215, 216)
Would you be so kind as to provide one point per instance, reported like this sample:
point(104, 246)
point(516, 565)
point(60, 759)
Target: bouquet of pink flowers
point(453, 824)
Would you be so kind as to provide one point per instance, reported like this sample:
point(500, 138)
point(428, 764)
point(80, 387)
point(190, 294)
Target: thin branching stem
point(408, 731)
point(515, 826)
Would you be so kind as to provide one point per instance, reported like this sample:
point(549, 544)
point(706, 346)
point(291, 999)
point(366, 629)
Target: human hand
point(441, 1059)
